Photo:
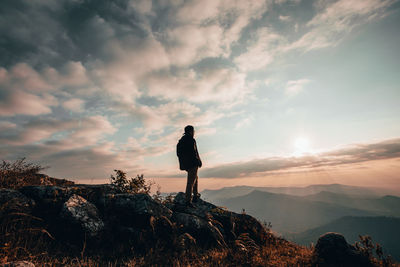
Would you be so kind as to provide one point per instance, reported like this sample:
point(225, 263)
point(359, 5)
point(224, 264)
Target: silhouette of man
point(189, 160)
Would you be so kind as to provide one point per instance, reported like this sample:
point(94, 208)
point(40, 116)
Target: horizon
point(280, 92)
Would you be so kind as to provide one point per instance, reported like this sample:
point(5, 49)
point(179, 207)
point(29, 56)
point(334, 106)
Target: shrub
point(19, 173)
point(130, 185)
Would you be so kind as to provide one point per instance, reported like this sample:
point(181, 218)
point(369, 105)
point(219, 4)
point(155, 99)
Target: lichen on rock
point(80, 211)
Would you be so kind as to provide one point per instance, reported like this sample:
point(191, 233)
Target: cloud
point(74, 73)
point(71, 133)
point(387, 149)
point(334, 20)
point(296, 86)
point(19, 102)
point(285, 18)
point(260, 52)
point(26, 91)
point(213, 84)
point(244, 122)
point(74, 104)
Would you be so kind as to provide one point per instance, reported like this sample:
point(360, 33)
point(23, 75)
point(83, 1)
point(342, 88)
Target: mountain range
point(302, 214)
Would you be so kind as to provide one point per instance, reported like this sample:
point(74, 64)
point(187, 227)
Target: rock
point(134, 209)
point(95, 194)
point(49, 201)
point(244, 223)
point(229, 224)
point(12, 201)
point(18, 264)
point(130, 222)
point(333, 250)
point(81, 212)
point(164, 229)
point(201, 208)
point(204, 231)
point(45, 193)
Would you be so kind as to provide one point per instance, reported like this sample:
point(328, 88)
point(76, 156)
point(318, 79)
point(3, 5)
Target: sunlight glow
point(302, 146)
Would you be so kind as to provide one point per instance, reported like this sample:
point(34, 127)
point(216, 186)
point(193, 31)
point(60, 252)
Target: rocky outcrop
point(92, 214)
point(333, 250)
point(102, 220)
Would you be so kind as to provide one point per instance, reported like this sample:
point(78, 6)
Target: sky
point(280, 92)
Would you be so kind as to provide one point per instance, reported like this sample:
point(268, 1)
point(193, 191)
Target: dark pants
point(191, 186)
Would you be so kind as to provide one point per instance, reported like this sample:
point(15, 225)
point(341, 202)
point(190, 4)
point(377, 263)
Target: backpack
point(179, 149)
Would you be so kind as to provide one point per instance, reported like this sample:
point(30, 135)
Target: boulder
point(228, 223)
point(134, 209)
point(201, 208)
point(333, 250)
point(45, 193)
point(164, 230)
point(12, 201)
point(203, 231)
point(95, 194)
point(80, 212)
point(244, 223)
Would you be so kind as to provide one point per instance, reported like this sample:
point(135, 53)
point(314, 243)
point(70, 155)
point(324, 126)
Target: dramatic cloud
point(262, 50)
point(96, 83)
point(335, 20)
point(74, 104)
point(353, 154)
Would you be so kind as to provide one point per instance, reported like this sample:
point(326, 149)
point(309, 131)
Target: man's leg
point(192, 173)
point(195, 187)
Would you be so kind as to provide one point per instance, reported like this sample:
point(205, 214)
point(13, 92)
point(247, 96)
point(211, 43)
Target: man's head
point(189, 130)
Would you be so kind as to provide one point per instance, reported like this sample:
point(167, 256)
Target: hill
point(289, 213)
point(102, 225)
point(229, 192)
point(383, 230)
point(386, 205)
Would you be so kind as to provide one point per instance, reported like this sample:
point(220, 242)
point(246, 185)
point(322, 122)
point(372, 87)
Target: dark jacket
point(186, 150)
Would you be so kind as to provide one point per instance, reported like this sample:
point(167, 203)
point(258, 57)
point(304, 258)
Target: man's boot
point(196, 197)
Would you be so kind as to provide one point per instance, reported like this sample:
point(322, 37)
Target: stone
point(134, 209)
point(79, 211)
point(12, 201)
point(45, 193)
point(204, 231)
point(332, 249)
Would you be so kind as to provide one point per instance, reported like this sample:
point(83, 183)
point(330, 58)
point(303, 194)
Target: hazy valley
point(302, 214)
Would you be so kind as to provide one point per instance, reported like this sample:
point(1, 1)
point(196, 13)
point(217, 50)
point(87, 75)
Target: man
point(189, 160)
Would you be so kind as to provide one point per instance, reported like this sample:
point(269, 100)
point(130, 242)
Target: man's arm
point(197, 154)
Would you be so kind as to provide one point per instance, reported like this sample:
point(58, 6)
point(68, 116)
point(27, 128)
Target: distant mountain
point(229, 192)
point(289, 213)
point(387, 205)
point(383, 230)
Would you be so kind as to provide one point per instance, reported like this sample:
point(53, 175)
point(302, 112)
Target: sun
point(301, 146)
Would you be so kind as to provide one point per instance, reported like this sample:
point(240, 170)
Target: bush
point(19, 173)
point(130, 185)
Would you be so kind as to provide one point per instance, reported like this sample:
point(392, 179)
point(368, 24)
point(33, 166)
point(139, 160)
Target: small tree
point(130, 185)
